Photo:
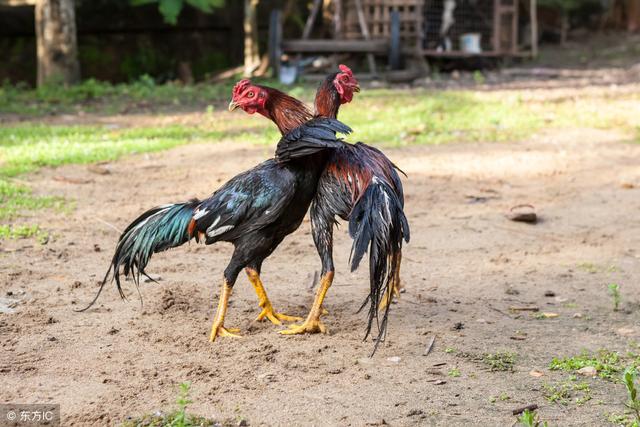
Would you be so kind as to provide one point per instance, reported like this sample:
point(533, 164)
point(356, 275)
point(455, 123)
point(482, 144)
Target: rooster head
point(346, 84)
point(249, 97)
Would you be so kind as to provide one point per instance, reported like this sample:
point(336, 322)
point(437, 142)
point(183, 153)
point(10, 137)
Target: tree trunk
point(56, 41)
point(251, 53)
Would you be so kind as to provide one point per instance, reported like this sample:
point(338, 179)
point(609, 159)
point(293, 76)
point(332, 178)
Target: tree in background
point(57, 46)
point(170, 9)
point(251, 53)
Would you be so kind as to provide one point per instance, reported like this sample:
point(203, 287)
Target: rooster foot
point(276, 318)
point(217, 330)
point(310, 326)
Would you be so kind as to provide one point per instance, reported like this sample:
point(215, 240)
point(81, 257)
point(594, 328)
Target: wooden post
point(251, 53)
point(57, 46)
point(337, 19)
point(308, 26)
point(534, 28)
point(365, 32)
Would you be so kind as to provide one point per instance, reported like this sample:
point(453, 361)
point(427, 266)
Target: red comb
point(240, 86)
point(345, 69)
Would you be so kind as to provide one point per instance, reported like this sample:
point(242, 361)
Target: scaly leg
point(396, 285)
point(217, 329)
point(267, 309)
point(312, 324)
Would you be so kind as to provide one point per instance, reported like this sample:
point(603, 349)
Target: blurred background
point(191, 41)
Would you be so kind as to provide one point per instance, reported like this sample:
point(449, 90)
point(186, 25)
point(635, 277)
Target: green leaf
point(170, 9)
point(142, 2)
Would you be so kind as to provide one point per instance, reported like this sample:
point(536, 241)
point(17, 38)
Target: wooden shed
point(419, 28)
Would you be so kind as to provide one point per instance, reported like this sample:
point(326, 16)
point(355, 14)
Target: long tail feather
point(156, 230)
point(378, 225)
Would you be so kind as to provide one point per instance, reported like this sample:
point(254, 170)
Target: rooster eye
point(345, 77)
point(250, 95)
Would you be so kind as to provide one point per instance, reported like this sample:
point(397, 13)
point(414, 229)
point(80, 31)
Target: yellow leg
point(267, 309)
point(312, 324)
point(217, 329)
point(396, 286)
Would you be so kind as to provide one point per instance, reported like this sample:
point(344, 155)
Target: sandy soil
point(464, 268)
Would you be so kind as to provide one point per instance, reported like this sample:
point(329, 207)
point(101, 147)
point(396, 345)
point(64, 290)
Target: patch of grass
point(23, 232)
point(530, 418)
point(15, 199)
point(454, 372)
point(25, 148)
point(503, 397)
point(178, 418)
point(614, 291)
point(499, 361)
point(567, 391)
point(608, 364)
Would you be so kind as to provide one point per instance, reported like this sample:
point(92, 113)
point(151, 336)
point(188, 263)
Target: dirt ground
point(465, 267)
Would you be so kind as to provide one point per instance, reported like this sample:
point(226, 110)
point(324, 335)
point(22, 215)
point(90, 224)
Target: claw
point(276, 318)
point(221, 331)
point(308, 327)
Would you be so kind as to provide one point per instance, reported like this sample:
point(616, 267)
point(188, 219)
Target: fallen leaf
point(536, 374)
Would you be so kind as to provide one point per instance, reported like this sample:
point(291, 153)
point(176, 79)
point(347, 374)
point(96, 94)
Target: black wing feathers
point(314, 136)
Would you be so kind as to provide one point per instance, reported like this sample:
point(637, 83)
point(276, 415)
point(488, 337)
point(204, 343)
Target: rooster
point(254, 211)
point(362, 186)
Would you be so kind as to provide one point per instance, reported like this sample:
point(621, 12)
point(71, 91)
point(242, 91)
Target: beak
point(356, 88)
point(233, 105)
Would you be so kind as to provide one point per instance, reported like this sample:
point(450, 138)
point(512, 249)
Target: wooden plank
point(329, 46)
point(461, 54)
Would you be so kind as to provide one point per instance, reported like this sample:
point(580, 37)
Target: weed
point(178, 418)
point(629, 379)
point(564, 392)
point(23, 232)
point(454, 372)
point(500, 361)
point(609, 364)
point(614, 291)
point(530, 419)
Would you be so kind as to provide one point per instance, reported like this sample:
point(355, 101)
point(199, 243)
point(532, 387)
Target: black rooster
point(255, 210)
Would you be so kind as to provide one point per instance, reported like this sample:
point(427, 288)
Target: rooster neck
point(285, 111)
point(327, 102)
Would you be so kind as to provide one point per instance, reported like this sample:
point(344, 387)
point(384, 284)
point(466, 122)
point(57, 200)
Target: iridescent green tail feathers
point(156, 230)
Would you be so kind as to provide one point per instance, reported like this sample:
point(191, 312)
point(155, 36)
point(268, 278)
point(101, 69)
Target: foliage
point(563, 392)
point(530, 419)
point(170, 9)
point(23, 232)
point(614, 291)
point(608, 364)
point(629, 378)
point(568, 5)
point(179, 418)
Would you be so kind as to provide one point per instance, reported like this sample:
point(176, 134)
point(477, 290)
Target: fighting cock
point(361, 185)
point(254, 211)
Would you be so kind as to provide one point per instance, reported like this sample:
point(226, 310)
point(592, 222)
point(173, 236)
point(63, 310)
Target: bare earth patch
point(466, 265)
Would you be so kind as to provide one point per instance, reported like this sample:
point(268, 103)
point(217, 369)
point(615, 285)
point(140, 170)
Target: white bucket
point(470, 43)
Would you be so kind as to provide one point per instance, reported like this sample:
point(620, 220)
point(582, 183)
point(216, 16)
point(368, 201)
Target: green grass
point(609, 364)
point(387, 117)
